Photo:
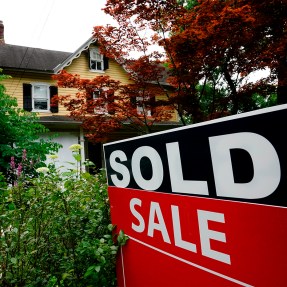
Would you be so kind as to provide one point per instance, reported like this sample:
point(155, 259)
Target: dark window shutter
point(106, 63)
point(27, 97)
point(152, 104)
point(133, 101)
point(89, 59)
point(110, 106)
point(54, 107)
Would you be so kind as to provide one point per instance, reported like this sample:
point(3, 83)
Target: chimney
point(2, 40)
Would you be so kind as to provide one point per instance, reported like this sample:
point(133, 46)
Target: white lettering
point(177, 231)
point(265, 160)
point(138, 228)
point(178, 184)
point(155, 211)
point(156, 222)
point(120, 168)
point(157, 168)
point(206, 234)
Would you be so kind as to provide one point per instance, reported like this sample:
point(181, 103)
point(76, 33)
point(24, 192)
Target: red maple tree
point(206, 38)
point(105, 105)
point(209, 49)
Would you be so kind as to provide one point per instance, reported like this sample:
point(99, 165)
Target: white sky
point(62, 25)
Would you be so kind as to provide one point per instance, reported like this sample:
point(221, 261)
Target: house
point(31, 70)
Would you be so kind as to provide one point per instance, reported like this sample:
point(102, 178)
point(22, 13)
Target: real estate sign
point(203, 205)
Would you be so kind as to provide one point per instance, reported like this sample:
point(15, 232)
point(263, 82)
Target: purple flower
point(12, 163)
point(19, 169)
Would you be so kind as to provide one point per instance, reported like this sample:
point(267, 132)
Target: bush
point(20, 131)
point(56, 230)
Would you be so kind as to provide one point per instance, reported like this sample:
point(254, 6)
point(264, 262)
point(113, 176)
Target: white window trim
point(48, 98)
point(101, 61)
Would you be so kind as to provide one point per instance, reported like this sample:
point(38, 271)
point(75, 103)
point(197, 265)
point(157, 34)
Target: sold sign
point(203, 205)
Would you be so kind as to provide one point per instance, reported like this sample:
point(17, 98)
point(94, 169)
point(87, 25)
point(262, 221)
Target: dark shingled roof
point(33, 59)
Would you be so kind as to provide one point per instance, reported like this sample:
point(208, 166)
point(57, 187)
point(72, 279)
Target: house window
point(40, 97)
point(103, 101)
point(99, 98)
point(96, 94)
point(96, 60)
point(37, 97)
point(141, 108)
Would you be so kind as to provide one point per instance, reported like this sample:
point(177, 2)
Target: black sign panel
point(240, 158)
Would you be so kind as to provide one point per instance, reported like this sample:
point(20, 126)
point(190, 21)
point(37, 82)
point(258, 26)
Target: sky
point(61, 25)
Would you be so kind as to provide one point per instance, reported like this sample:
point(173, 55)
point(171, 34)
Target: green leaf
point(90, 271)
point(65, 275)
point(77, 157)
point(122, 238)
point(98, 268)
point(111, 227)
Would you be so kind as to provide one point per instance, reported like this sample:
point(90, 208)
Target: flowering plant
point(55, 230)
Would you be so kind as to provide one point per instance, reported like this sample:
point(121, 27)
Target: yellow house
point(31, 70)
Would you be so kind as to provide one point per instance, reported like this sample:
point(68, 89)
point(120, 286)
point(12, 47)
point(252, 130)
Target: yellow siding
point(115, 71)
point(14, 86)
point(174, 117)
point(80, 66)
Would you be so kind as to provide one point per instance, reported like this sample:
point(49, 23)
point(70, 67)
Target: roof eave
point(50, 72)
point(75, 55)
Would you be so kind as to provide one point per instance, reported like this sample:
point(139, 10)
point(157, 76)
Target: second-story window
point(103, 100)
point(141, 108)
point(40, 97)
point(96, 60)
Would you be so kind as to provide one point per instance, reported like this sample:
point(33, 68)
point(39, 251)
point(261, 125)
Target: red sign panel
point(203, 205)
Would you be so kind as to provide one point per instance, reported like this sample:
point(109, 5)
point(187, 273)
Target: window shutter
point(106, 63)
point(152, 104)
point(110, 106)
point(89, 59)
point(27, 97)
point(54, 107)
point(133, 101)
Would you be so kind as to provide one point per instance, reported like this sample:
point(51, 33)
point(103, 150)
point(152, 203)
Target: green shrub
point(56, 230)
point(20, 134)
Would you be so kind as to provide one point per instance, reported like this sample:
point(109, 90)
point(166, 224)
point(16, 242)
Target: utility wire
point(33, 49)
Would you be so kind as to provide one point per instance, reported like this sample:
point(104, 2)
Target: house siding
point(80, 66)
point(14, 86)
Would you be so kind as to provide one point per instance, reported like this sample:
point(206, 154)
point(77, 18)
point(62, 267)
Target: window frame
point(141, 108)
point(101, 61)
point(102, 93)
point(33, 85)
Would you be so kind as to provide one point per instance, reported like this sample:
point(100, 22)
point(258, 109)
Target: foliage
point(220, 43)
point(55, 230)
point(210, 51)
point(20, 130)
point(116, 105)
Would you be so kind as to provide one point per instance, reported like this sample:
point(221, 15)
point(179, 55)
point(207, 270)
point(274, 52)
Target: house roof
point(38, 60)
point(33, 59)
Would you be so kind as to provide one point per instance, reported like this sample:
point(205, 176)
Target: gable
point(68, 61)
